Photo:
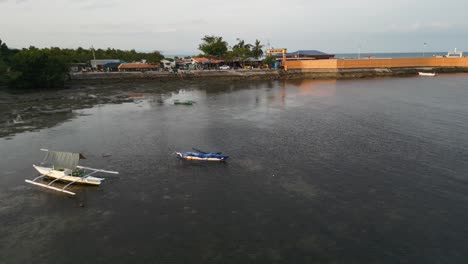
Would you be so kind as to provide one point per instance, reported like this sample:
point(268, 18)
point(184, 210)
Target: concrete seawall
point(319, 73)
point(377, 63)
point(371, 72)
point(155, 75)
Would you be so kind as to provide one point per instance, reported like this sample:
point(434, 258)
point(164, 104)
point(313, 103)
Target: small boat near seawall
point(427, 73)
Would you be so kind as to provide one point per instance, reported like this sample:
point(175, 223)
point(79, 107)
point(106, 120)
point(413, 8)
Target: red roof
point(206, 60)
point(184, 61)
point(137, 66)
point(201, 60)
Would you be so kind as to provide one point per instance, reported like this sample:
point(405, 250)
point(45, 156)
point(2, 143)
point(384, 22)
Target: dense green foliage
point(269, 60)
point(257, 51)
point(81, 55)
point(48, 68)
point(5, 60)
point(35, 68)
point(213, 46)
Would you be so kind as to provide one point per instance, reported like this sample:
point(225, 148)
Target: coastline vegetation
point(39, 68)
point(48, 67)
point(215, 46)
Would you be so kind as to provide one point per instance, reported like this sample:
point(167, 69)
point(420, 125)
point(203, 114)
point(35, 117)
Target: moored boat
point(203, 156)
point(183, 102)
point(66, 175)
point(427, 73)
point(63, 166)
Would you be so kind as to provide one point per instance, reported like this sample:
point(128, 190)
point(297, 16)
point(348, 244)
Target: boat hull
point(190, 157)
point(183, 102)
point(426, 74)
point(65, 177)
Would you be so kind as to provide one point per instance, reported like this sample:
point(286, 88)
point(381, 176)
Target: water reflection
point(305, 87)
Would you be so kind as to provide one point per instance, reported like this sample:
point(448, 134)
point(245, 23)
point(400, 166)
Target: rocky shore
point(258, 74)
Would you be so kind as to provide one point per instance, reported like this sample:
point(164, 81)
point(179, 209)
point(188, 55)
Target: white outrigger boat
point(63, 166)
point(427, 73)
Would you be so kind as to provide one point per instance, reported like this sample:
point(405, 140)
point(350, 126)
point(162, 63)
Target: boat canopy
point(67, 160)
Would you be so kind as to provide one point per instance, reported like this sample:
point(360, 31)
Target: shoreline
point(257, 74)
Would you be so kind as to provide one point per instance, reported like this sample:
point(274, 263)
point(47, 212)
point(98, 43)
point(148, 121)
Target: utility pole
point(94, 55)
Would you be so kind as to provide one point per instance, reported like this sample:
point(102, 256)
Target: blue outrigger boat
point(201, 155)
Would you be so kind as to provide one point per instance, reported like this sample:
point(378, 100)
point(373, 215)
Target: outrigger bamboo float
point(63, 166)
point(202, 156)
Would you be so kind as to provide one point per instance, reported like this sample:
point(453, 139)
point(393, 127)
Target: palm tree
point(241, 45)
point(257, 49)
point(213, 46)
point(242, 51)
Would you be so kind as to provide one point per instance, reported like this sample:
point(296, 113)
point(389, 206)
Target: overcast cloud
point(176, 27)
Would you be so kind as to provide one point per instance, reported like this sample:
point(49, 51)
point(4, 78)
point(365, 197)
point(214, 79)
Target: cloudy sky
point(176, 27)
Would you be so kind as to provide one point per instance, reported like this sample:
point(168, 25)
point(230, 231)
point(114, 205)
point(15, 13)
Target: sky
point(176, 27)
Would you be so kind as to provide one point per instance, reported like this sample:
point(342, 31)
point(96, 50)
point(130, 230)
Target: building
point(77, 67)
point(184, 64)
point(98, 64)
point(132, 67)
point(454, 54)
point(111, 66)
point(206, 63)
point(167, 64)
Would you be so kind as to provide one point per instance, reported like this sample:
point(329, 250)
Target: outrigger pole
point(50, 187)
point(97, 170)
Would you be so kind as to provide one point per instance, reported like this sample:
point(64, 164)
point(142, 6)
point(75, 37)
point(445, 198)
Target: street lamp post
point(424, 49)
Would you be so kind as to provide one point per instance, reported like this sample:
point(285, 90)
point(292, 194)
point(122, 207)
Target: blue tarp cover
point(204, 155)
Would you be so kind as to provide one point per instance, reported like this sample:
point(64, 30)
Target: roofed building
point(138, 67)
point(206, 63)
point(98, 64)
point(111, 66)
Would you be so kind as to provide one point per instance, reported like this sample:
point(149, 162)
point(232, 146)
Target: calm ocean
point(320, 171)
point(390, 55)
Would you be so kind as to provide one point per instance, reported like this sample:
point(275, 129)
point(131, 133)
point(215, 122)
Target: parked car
point(224, 67)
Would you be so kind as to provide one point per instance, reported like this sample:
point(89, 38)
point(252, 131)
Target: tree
point(35, 68)
point(257, 51)
point(269, 60)
point(241, 51)
point(241, 45)
point(154, 57)
point(47, 68)
point(4, 61)
point(213, 46)
point(3, 71)
point(3, 48)
point(6, 53)
point(3, 51)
